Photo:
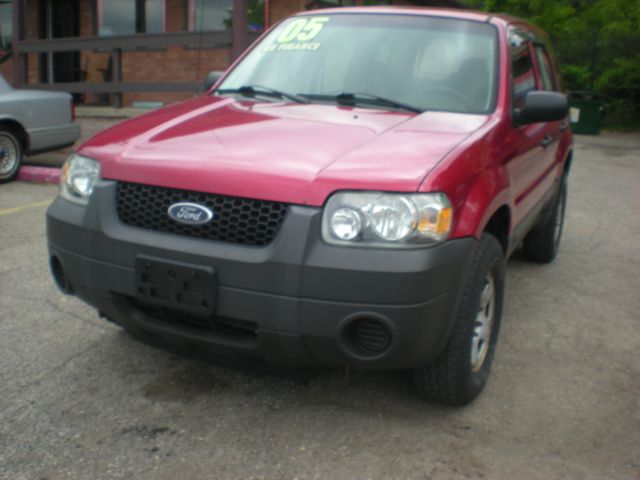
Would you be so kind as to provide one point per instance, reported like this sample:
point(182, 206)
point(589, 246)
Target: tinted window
point(207, 15)
point(154, 16)
point(126, 17)
point(429, 63)
point(118, 17)
point(546, 71)
point(523, 76)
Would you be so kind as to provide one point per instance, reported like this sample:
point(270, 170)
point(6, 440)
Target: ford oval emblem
point(190, 213)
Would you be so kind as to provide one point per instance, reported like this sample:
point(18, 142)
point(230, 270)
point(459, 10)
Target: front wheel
point(10, 155)
point(461, 372)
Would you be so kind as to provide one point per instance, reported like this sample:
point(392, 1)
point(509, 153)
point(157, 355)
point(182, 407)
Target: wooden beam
point(117, 75)
point(220, 39)
point(122, 87)
point(240, 33)
point(20, 60)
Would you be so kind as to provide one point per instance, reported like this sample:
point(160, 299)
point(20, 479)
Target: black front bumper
point(290, 303)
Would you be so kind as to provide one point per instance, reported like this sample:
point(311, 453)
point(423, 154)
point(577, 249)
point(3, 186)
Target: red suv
point(346, 194)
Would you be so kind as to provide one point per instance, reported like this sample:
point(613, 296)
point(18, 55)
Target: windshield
point(419, 61)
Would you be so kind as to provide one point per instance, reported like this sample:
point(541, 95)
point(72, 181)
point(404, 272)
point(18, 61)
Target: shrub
point(622, 80)
point(576, 77)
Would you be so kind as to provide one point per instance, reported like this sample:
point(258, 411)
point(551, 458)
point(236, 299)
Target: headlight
point(386, 219)
point(79, 175)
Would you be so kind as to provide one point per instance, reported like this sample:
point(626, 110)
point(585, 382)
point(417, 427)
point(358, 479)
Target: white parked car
point(32, 121)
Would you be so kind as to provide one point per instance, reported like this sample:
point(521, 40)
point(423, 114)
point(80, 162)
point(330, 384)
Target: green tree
point(598, 42)
point(256, 14)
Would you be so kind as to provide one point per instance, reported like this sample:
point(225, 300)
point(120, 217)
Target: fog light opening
point(59, 275)
point(368, 336)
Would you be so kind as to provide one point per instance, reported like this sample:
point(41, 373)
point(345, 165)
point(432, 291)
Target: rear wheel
point(461, 372)
point(10, 155)
point(542, 244)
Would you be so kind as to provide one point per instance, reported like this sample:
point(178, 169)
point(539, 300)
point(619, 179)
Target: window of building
point(6, 29)
point(210, 15)
point(126, 17)
point(216, 15)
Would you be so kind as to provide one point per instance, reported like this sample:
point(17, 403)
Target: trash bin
point(586, 112)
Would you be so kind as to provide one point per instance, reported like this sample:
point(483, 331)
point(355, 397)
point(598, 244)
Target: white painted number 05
point(302, 29)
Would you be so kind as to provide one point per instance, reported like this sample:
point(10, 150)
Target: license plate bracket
point(176, 285)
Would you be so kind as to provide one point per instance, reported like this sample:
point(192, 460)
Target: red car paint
point(301, 154)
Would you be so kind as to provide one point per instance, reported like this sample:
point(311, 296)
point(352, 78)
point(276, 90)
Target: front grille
point(243, 221)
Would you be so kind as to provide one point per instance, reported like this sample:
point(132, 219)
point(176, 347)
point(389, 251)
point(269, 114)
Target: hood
point(273, 151)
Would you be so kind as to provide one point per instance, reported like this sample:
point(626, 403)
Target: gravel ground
point(81, 399)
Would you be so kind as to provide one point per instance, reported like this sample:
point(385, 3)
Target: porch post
point(19, 59)
point(239, 34)
point(117, 76)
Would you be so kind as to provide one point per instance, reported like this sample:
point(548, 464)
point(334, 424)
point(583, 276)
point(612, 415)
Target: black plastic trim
point(298, 292)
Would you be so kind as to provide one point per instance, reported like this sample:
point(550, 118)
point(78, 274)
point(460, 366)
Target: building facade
point(135, 52)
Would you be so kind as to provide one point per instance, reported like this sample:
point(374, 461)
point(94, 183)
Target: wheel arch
point(17, 128)
point(499, 225)
point(488, 208)
point(567, 162)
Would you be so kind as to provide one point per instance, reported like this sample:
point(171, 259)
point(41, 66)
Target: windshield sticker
point(279, 47)
point(298, 35)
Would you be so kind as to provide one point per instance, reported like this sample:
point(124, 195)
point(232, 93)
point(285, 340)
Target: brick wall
point(31, 33)
point(176, 15)
point(172, 64)
point(279, 9)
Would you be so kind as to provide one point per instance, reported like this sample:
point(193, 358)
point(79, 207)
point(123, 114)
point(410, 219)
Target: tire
point(462, 370)
point(542, 243)
point(11, 152)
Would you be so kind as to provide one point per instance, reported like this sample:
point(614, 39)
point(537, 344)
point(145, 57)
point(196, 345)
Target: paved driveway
point(81, 399)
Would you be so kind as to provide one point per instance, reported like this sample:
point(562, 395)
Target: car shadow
point(189, 378)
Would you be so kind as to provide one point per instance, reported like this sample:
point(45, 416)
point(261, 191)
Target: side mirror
point(211, 79)
point(542, 106)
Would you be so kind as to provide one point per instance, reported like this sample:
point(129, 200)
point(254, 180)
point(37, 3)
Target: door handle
point(546, 141)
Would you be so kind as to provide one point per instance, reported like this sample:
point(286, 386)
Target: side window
point(523, 76)
point(546, 71)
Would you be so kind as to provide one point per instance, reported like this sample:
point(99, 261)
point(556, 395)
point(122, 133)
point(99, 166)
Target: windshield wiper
point(352, 99)
point(253, 90)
